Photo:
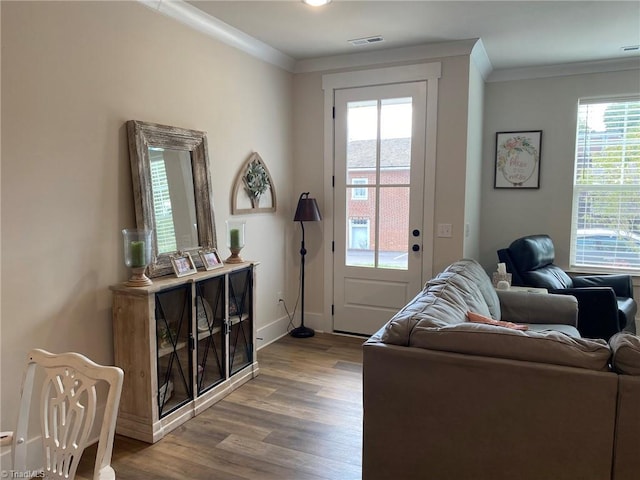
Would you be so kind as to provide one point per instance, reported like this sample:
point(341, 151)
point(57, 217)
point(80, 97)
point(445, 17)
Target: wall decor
point(518, 159)
point(183, 264)
point(210, 259)
point(253, 191)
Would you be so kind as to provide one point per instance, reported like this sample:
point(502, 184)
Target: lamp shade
point(307, 210)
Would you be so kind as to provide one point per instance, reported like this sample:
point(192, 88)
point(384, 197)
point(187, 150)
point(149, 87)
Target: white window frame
point(587, 139)
point(359, 193)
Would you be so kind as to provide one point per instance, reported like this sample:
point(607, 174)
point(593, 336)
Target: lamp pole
point(307, 211)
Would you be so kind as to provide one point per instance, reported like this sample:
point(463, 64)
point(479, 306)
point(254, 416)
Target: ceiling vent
point(367, 40)
point(631, 48)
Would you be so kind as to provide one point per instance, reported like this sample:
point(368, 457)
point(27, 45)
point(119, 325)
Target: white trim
point(481, 60)
point(392, 55)
point(565, 69)
point(211, 26)
point(429, 72)
point(271, 332)
point(379, 76)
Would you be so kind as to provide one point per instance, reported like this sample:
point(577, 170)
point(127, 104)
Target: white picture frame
point(183, 264)
point(210, 259)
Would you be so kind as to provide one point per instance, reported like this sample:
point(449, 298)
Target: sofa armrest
point(622, 284)
point(525, 307)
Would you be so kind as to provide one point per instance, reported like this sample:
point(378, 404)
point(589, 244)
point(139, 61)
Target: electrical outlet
point(279, 298)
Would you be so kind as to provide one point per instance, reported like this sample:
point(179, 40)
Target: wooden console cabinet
point(183, 343)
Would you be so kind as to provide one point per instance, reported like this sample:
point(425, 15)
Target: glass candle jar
point(137, 254)
point(235, 239)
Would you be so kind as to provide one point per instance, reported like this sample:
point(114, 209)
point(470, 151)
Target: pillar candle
point(234, 238)
point(138, 257)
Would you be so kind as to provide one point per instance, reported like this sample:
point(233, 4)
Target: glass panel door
point(240, 320)
point(173, 337)
point(210, 329)
point(379, 202)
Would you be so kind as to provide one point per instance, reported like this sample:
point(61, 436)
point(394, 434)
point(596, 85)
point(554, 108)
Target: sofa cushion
point(626, 353)
point(555, 327)
point(543, 347)
point(476, 277)
point(436, 306)
point(477, 318)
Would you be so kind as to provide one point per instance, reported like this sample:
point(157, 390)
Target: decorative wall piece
point(253, 191)
point(518, 159)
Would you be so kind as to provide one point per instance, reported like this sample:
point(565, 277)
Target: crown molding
point(225, 33)
point(197, 19)
point(565, 69)
point(481, 60)
point(391, 55)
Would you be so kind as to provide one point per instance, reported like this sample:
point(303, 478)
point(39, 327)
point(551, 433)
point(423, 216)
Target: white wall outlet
point(444, 230)
point(279, 297)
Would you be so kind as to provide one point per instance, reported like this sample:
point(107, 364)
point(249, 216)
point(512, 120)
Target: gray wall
point(550, 105)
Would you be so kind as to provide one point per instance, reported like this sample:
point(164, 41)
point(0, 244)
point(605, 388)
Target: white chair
point(68, 402)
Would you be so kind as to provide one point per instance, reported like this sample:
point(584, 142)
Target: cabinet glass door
point(210, 333)
point(240, 320)
point(173, 335)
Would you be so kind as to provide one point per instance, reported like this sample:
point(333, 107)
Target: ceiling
point(515, 34)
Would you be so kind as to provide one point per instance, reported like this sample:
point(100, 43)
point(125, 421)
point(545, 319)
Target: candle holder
point(137, 255)
point(235, 240)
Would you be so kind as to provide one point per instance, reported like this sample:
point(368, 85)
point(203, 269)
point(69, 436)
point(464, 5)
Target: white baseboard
point(271, 332)
point(279, 328)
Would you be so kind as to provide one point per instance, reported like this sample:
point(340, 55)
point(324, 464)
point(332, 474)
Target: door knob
point(415, 247)
point(416, 233)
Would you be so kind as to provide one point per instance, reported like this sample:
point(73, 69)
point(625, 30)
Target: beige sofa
point(448, 399)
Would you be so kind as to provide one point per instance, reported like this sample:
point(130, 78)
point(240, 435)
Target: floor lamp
point(307, 211)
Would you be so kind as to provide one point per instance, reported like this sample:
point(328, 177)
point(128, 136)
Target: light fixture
point(307, 211)
point(316, 3)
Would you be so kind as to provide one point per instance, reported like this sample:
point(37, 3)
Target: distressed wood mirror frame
point(143, 135)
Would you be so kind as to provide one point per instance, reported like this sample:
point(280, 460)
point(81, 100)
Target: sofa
point(450, 399)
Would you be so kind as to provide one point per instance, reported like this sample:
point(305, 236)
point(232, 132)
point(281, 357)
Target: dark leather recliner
point(605, 302)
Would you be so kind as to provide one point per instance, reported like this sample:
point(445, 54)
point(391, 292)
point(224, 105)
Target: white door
point(378, 201)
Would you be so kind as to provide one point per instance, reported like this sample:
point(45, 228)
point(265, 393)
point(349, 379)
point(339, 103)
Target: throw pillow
point(477, 318)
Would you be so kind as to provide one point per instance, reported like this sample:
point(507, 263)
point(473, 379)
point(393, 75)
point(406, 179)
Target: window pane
point(361, 225)
point(163, 211)
point(606, 215)
point(395, 143)
point(394, 227)
point(362, 134)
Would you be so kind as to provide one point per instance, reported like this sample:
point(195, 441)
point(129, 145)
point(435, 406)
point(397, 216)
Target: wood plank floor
point(300, 419)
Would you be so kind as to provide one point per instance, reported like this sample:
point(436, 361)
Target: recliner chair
point(605, 302)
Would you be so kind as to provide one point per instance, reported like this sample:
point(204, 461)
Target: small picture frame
point(183, 264)
point(211, 259)
point(518, 159)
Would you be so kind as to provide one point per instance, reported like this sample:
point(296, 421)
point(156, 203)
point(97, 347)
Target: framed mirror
point(171, 190)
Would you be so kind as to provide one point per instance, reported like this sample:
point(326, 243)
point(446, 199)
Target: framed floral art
point(518, 159)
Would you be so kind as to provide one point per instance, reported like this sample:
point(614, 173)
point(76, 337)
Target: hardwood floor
point(300, 419)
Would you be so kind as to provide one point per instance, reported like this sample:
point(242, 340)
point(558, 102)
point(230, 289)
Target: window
point(359, 193)
point(359, 233)
point(606, 192)
point(165, 231)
